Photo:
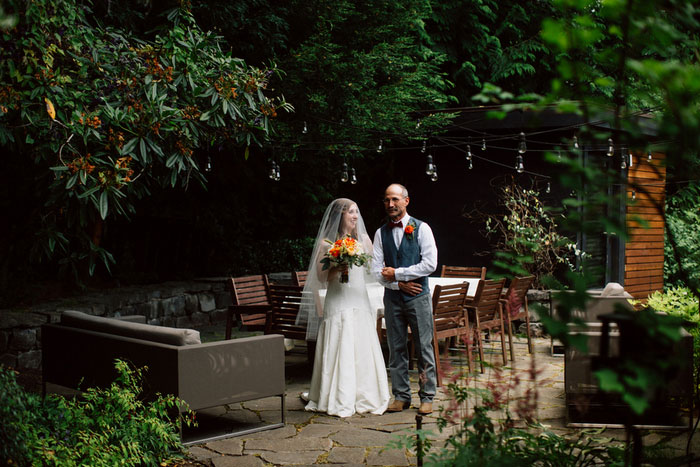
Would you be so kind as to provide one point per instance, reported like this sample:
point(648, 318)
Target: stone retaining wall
point(177, 304)
point(192, 304)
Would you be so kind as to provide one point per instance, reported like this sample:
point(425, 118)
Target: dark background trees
point(357, 73)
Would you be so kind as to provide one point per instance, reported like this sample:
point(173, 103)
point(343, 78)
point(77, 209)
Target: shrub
point(102, 427)
point(680, 302)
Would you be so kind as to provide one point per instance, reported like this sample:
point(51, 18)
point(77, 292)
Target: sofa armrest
point(226, 372)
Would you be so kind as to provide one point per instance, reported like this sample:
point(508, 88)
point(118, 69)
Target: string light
point(634, 194)
point(273, 170)
point(576, 143)
point(353, 176)
point(277, 172)
point(522, 147)
point(649, 155)
point(344, 176)
point(469, 152)
point(380, 148)
point(208, 166)
point(429, 166)
point(611, 149)
point(424, 147)
point(305, 130)
point(549, 188)
point(558, 155)
point(471, 166)
point(631, 159)
point(434, 175)
point(623, 163)
point(519, 165)
point(418, 124)
point(483, 144)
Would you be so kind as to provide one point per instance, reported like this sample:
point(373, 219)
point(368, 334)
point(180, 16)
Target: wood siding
point(644, 250)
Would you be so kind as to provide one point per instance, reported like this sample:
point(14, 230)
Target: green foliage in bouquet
point(102, 427)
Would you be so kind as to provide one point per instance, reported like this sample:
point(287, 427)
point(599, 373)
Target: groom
point(404, 255)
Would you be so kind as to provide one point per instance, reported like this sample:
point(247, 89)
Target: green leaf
point(142, 149)
point(104, 204)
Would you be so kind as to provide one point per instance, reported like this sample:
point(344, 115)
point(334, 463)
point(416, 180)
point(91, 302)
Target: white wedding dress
point(349, 374)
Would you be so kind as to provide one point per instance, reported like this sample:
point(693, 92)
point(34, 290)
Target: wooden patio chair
point(485, 313)
point(450, 320)
point(299, 277)
point(250, 303)
point(286, 301)
point(515, 305)
point(463, 271)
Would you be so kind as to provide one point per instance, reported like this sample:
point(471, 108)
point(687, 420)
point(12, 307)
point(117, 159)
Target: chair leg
point(438, 366)
point(510, 338)
point(481, 348)
point(469, 350)
point(229, 323)
point(503, 345)
point(527, 321)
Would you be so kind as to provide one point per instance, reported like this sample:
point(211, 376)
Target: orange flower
point(409, 229)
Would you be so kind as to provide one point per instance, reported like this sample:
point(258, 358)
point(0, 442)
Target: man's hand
point(410, 288)
point(388, 274)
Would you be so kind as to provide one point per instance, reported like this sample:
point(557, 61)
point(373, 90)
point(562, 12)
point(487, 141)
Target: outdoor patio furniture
point(463, 271)
point(250, 302)
point(515, 304)
point(300, 277)
point(486, 314)
point(79, 352)
point(449, 320)
point(285, 301)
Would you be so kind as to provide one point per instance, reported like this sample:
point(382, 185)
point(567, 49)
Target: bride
point(349, 373)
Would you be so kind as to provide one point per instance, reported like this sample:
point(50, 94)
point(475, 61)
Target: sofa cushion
point(162, 334)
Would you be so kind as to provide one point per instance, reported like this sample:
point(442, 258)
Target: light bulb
point(429, 166)
point(611, 149)
point(623, 162)
point(631, 159)
point(380, 148)
point(549, 188)
point(434, 175)
point(208, 167)
point(424, 147)
point(418, 124)
point(575, 142)
point(558, 156)
point(634, 194)
point(344, 176)
point(277, 172)
point(353, 176)
point(522, 147)
point(483, 144)
point(471, 166)
point(649, 155)
point(273, 171)
point(305, 130)
point(519, 165)
point(469, 152)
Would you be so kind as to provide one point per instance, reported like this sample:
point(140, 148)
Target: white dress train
point(349, 374)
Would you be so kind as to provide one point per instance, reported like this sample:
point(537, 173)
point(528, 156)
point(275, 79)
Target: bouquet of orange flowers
point(345, 251)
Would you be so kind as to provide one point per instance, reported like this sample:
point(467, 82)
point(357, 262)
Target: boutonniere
point(408, 231)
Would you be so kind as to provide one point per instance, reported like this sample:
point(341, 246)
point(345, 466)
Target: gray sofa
point(79, 352)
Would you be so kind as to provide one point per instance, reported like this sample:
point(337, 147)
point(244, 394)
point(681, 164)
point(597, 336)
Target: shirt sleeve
point(428, 262)
point(378, 262)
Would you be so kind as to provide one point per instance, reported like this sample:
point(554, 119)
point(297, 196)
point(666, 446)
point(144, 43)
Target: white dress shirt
point(428, 251)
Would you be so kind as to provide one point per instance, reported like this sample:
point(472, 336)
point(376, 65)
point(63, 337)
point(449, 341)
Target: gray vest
point(406, 255)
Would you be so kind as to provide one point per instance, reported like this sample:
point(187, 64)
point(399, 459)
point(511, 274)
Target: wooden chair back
point(250, 303)
point(300, 277)
point(285, 301)
point(249, 290)
point(464, 271)
point(449, 319)
point(486, 313)
point(515, 307)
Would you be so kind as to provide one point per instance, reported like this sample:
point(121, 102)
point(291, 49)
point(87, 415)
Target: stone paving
point(312, 438)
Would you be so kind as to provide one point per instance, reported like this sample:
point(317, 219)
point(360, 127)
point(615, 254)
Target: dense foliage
point(104, 119)
point(103, 427)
